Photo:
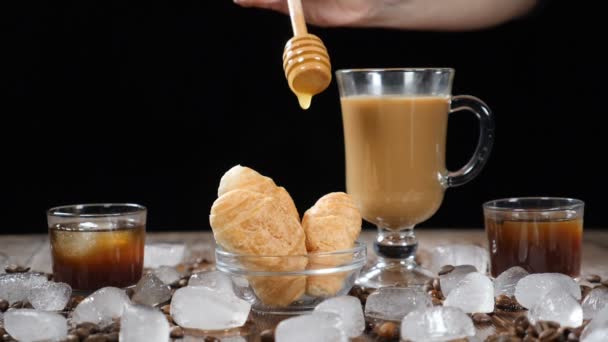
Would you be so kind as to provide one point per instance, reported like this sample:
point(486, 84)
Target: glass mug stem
point(484, 144)
point(399, 245)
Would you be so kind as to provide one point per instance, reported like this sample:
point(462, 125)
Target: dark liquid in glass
point(537, 246)
point(89, 259)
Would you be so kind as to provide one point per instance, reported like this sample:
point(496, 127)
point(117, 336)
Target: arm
point(439, 15)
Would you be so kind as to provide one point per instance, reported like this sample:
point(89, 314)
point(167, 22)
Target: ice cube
point(101, 307)
point(530, 289)
point(460, 254)
point(143, 324)
point(50, 296)
point(215, 280)
point(559, 306)
point(599, 322)
point(4, 262)
point(167, 274)
point(506, 281)
point(199, 307)
point(151, 291)
point(449, 280)
point(599, 335)
point(438, 323)
point(34, 325)
point(163, 254)
point(321, 327)
point(17, 286)
point(474, 293)
point(595, 301)
point(393, 303)
point(349, 310)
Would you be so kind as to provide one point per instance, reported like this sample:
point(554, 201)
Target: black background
point(118, 101)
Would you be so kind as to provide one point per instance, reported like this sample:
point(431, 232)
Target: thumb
point(275, 5)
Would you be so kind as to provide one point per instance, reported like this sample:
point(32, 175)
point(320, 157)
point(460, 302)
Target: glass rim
point(364, 70)
point(68, 210)
point(563, 203)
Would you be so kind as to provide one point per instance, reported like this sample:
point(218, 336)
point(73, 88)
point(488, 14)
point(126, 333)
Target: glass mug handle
point(484, 144)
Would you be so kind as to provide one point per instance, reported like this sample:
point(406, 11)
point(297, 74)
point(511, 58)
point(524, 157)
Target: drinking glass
point(395, 127)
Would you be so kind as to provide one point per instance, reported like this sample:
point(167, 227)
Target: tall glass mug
point(395, 127)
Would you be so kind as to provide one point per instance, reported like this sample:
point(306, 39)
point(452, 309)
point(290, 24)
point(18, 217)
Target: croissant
point(262, 223)
point(332, 224)
point(241, 177)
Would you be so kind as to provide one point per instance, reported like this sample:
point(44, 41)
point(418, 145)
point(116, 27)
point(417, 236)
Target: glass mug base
point(394, 273)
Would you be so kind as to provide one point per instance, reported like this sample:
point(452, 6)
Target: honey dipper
point(305, 59)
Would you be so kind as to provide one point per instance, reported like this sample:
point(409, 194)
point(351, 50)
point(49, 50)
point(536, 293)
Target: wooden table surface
point(33, 250)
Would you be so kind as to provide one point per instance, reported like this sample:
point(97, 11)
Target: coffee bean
point(531, 331)
point(92, 328)
point(96, 338)
point(2, 331)
point(130, 292)
point(605, 282)
point(71, 338)
point(7, 338)
point(166, 309)
point(522, 321)
point(212, 339)
point(82, 333)
point(529, 338)
point(177, 332)
point(4, 305)
point(267, 336)
point(182, 282)
point(386, 330)
point(169, 319)
point(594, 278)
point(436, 301)
point(549, 335)
point(552, 324)
point(112, 337)
point(27, 305)
point(436, 284)
point(585, 291)
point(16, 269)
point(436, 294)
point(445, 269)
point(519, 331)
point(428, 285)
point(17, 305)
point(506, 303)
point(481, 318)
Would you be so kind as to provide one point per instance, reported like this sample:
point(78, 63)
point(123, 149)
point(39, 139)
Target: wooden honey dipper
point(305, 59)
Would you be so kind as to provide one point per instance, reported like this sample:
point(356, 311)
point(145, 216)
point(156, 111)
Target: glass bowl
point(291, 284)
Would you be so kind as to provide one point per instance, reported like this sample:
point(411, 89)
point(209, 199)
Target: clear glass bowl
point(291, 284)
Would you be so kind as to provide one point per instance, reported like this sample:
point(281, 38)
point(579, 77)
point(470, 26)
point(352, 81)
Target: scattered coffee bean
point(605, 282)
point(2, 331)
point(446, 269)
point(169, 319)
point(17, 305)
point(386, 330)
point(71, 338)
point(96, 338)
point(503, 338)
point(549, 335)
point(522, 321)
point(594, 278)
point(7, 338)
point(529, 338)
point(82, 333)
point(112, 337)
point(92, 328)
point(428, 285)
point(519, 331)
point(267, 336)
point(436, 301)
point(212, 339)
point(16, 269)
point(177, 332)
point(436, 284)
point(585, 291)
point(130, 292)
point(531, 331)
point(27, 305)
point(572, 337)
point(182, 282)
point(166, 309)
point(506, 303)
point(4, 305)
point(481, 318)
